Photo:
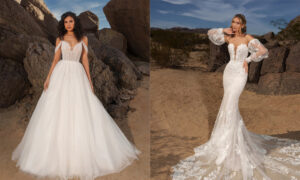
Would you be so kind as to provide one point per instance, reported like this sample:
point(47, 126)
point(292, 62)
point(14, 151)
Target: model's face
point(69, 23)
point(236, 24)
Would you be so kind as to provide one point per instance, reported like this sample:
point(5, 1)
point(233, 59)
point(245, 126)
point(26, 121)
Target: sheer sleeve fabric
point(257, 51)
point(216, 36)
point(85, 47)
point(57, 47)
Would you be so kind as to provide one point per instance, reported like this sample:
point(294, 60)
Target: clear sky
point(58, 7)
point(218, 13)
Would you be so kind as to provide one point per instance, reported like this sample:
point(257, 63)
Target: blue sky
point(58, 7)
point(218, 13)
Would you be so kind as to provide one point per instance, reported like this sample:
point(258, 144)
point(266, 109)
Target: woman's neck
point(239, 34)
point(70, 33)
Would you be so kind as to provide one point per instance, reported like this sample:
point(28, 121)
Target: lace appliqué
point(232, 151)
point(257, 50)
point(57, 47)
point(85, 47)
point(83, 44)
point(216, 36)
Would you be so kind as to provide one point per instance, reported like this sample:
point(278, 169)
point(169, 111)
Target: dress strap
point(58, 46)
point(85, 47)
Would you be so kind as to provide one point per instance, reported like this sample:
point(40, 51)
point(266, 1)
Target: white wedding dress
point(70, 134)
point(232, 151)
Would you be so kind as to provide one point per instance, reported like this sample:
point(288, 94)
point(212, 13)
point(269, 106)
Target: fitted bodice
point(71, 53)
point(238, 54)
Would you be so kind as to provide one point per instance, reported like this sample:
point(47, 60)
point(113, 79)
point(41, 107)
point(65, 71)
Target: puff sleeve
point(257, 51)
point(216, 36)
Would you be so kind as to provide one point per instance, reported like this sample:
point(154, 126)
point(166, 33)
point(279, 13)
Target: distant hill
point(184, 29)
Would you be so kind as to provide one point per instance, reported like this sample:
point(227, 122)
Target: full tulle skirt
point(233, 152)
point(70, 134)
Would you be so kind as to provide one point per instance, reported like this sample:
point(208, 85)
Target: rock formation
point(28, 31)
point(131, 18)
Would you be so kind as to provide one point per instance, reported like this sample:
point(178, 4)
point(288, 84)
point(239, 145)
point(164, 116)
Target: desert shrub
point(171, 48)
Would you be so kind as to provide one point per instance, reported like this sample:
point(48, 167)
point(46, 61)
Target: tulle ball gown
point(232, 151)
point(70, 134)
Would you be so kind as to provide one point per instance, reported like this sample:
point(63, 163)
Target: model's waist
point(235, 61)
point(70, 60)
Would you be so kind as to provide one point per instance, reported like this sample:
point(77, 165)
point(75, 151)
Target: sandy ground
point(184, 106)
point(12, 129)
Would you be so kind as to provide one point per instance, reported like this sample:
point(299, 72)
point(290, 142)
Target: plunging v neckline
point(236, 47)
point(71, 48)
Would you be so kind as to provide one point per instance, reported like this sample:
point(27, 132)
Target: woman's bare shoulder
point(249, 37)
point(85, 39)
point(58, 40)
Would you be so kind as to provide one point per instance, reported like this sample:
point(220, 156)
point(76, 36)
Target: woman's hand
point(245, 65)
point(92, 88)
point(228, 31)
point(46, 83)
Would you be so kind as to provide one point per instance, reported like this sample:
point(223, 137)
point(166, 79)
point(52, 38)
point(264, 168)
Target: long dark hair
point(77, 26)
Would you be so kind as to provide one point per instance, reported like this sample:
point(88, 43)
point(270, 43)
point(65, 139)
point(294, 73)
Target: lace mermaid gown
point(232, 151)
point(70, 134)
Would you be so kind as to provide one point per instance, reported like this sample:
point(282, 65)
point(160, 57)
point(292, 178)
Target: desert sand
point(184, 106)
point(136, 128)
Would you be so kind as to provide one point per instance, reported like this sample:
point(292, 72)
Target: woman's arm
point(56, 56)
point(85, 61)
point(216, 36)
point(257, 50)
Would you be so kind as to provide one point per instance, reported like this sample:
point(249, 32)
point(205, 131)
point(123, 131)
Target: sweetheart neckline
point(71, 48)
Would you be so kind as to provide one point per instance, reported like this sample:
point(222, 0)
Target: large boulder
point(37, 63)
point(42, 15)
point(272, 44)
point(254, 71)
point(124, 70)
point(290, 83)
point(268, 36)
point(103, 80)
point(15, 46)
point(13, 82)
point(17, 20)
point(275, 62)
point(143, 67)
point(269, 83)
point(89, 22)
point(218, 55)
point(279, 83)
point(112, 38)
point(293, 59)
point(132, 19)
point(222, 68)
